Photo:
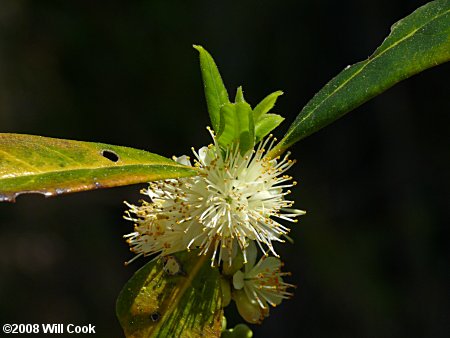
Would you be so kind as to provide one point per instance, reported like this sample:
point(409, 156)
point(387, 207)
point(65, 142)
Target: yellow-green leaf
point(239, 95)
point(215, 92)
point(175, 296)
point(236, 126)
point(266, 104)
point(266, 124)
point(36, 164)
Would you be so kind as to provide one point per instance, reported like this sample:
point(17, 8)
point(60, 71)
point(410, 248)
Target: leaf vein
point(20, 161)
point(188, 282)
point(368, 61)
point(59, 153)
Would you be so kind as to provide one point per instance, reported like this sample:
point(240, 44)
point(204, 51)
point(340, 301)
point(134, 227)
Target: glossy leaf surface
point(266, 124)
point(266, 104)
point(36, 164)
point(163, 301)
point(417, 42)
point(215, 91)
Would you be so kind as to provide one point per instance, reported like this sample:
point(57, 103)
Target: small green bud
point(249, 309)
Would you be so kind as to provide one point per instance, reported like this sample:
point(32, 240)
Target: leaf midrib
point(369, 61)
point(143, 166)
point(179, 295)
point(217, 93)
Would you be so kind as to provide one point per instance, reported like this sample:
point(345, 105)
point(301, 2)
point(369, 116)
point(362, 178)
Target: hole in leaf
point(110, 155)
point(155, 316)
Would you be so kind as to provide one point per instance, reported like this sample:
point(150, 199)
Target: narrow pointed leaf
point(215, 91)
point(417, 42)
point(266, 104)
point(239, 95)
point(162, 302)
point(266, 124)
point(36, 164)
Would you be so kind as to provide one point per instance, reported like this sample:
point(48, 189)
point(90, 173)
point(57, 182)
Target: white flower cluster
point(234, 200)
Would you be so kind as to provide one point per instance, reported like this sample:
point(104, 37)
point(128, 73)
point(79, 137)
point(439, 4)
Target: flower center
point(229, 200)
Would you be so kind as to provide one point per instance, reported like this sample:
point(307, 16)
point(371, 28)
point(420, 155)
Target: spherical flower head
point(236, 198)
point(259, 285)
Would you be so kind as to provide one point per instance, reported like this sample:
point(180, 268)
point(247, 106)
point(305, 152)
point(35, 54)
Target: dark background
point(371, 257)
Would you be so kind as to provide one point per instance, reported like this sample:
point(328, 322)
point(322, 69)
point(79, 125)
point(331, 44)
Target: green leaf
point(266, 104)
point(417, 42)
point(229, 128)
point(247, 126)
point(215, 91)
point(236, 126)
point(166, 302)
point(36, 164)
point(266, 124)
point(239, 95)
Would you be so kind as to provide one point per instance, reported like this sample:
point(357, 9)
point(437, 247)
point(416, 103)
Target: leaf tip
point(239, 95)
point(198, 47)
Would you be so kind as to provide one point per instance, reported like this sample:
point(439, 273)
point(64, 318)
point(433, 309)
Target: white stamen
point(231, 202)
